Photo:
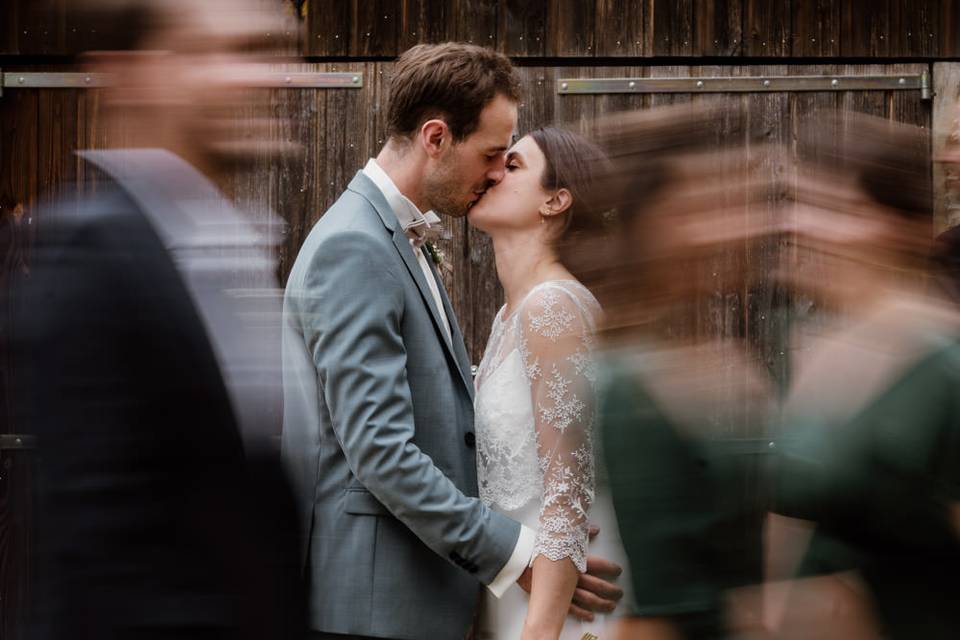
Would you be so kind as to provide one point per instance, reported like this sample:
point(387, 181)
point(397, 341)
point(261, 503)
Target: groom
point(378, 396)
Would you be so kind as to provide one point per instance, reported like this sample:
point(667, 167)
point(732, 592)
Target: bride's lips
point(476, 198)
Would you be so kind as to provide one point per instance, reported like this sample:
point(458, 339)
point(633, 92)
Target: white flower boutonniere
point(437, 256)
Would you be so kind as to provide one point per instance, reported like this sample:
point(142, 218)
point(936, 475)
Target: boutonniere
point(437, 256)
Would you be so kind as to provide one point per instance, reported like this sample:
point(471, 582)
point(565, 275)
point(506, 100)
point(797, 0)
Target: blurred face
point(840, 239)
point(515, 202)
point(464, 171)
point(191, 82)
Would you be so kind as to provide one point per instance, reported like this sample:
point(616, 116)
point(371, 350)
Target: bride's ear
point(557, 204)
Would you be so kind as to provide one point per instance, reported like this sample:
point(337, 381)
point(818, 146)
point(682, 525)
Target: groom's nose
point(497, 170)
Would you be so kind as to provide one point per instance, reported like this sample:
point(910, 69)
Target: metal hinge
point(743, 84)
point(17, 441)
point(267, 79)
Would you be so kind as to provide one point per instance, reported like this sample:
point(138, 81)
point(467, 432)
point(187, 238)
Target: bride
point(535, 389)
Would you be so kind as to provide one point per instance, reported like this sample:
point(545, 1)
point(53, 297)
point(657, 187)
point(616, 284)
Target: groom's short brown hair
point(452, 81)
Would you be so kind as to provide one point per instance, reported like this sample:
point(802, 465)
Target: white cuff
point(517, 564)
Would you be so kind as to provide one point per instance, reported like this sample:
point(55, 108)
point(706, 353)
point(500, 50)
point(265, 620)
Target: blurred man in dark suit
point(147, 356)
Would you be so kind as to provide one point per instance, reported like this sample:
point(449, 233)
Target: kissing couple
point(427, 496)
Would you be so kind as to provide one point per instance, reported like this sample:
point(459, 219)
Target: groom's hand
point(594, 594)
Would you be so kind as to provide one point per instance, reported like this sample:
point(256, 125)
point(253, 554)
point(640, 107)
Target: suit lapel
point(459, 348)
point(365, 187)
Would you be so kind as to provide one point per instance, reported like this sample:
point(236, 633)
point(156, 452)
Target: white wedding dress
point(535, 450)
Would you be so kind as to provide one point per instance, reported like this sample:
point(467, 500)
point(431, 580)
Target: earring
point(542, 218)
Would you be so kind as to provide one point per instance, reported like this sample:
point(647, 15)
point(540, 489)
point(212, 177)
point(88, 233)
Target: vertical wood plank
point(58, 120)
point(423, 21)
point(523, 27)
point(10, 28)
point(570, 28)
point(865, 28)
point(946, 137)
point(670, 24)
point(330, 27)
point(377, 30)
point(347, 133)
point(767, 29)
point(919, 32)
point(620, 28)
point(874, 103)
point(474, 22)
point(950, 28)
point(816, 28)
point(719, 27)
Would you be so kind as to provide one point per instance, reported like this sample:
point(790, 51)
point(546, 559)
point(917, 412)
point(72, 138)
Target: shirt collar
point(418, 226)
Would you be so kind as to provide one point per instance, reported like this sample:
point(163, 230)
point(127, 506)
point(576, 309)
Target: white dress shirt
point(415, 223)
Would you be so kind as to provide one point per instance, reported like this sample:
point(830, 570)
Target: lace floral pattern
point(535, 415)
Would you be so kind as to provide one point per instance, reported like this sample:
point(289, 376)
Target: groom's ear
point(434, 137)
point(558, 203)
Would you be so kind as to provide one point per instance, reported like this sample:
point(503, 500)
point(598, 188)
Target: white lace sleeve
point(556, 338)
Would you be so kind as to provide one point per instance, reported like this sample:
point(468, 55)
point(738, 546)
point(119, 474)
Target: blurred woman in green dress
point(869, 471)
point(682, 401)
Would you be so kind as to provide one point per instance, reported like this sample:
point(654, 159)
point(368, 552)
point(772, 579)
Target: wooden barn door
point(340, 129)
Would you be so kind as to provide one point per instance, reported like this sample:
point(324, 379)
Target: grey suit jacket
point(378, 435)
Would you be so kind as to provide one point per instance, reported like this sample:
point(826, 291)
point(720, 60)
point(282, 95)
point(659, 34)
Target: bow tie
point(423, 228)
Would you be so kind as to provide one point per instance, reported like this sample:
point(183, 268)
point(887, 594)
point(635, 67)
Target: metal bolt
point(355, 79)
point(288, 79)
point(87, 80)
point(21, 80)
point(19, 441)
point(632, 84)
point(699, 84)
point(766, 83)
point(564, 85)
point(835, 82)
point(902, 81)
point(772, 445)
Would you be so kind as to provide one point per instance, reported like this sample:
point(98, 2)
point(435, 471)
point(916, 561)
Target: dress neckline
point(555, 281)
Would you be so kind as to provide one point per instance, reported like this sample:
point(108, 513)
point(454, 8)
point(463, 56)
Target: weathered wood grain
point(571, 28)
point(523, 27)
point(767, 29)
point(816, 28)
point(423, 21)
point(719, 27)
point(946, 134)
point(377, 28)
point(670, 31)
point(866, 28)
point(950, 28)
point(330, 28)
point(473, 21)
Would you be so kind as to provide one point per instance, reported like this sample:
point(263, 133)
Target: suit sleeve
point(351, 308)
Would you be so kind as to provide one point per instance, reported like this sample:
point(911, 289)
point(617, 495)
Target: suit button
point(470, 439)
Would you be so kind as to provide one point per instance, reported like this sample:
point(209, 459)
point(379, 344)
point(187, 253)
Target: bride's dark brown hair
point(573, 163)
